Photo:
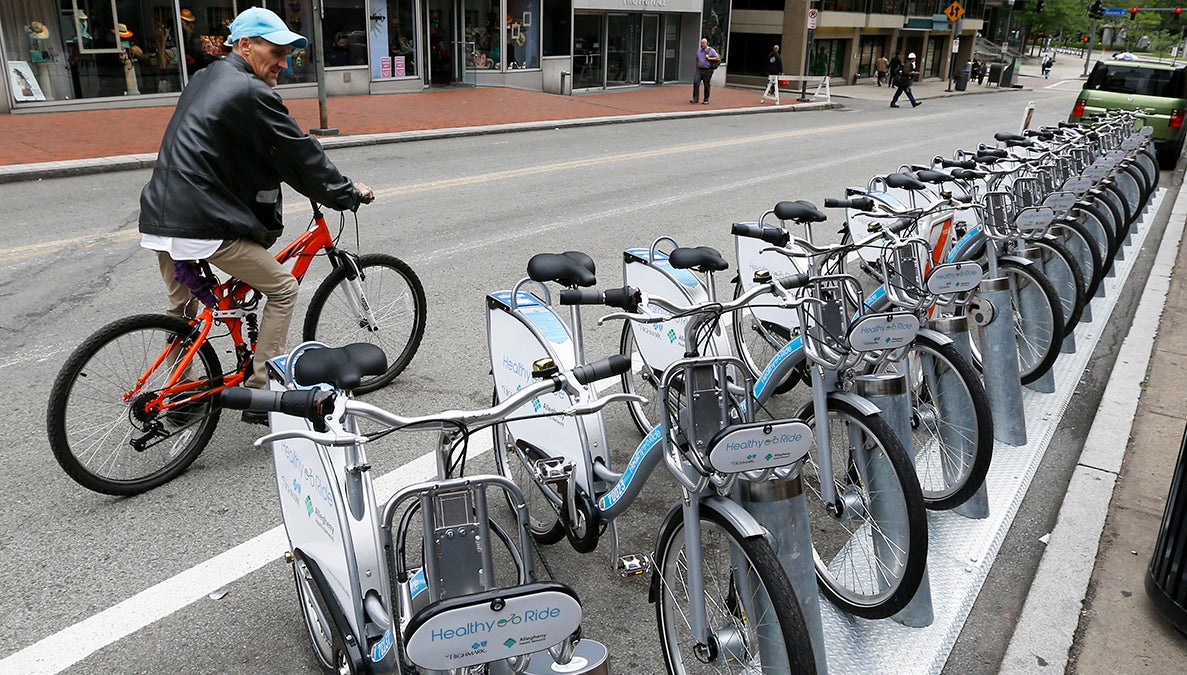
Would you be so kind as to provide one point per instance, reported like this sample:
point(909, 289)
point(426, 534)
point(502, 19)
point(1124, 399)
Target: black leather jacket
point(229, 145)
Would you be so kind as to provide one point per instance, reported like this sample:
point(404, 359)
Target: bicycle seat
point(904, 181)
point(571, 268)
point(1004, 136)
point(701, 259)
point(932, 176)
point(343, 367)
point(800, 211)
point(967, 174)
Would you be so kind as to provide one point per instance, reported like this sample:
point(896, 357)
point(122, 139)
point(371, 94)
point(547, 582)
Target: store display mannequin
point(129, 54)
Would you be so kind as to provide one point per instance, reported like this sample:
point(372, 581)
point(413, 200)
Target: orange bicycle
point(137, 402)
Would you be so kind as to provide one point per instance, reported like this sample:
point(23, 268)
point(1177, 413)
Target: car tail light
point(1176, 118)
point(1078, 110)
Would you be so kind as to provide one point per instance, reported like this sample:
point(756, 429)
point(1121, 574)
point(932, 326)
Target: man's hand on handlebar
point(366, 193)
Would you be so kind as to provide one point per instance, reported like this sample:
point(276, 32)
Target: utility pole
point(319, 60)
point(1091, 47)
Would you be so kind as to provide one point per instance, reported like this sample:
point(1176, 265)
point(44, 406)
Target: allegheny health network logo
point(308, 505)
point(671, 335)
point(508, 643)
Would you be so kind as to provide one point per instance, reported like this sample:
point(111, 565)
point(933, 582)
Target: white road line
point(70, 645)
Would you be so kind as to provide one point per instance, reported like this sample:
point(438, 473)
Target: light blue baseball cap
point(262, 23)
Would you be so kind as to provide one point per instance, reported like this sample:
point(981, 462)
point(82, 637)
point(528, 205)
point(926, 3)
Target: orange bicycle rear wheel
point(116, 444)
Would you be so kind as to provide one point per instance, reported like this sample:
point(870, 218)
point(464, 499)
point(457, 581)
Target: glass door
point(650, 62)
point(439, 39)
point(622, 49)
point(671, 48)
point(588, 53)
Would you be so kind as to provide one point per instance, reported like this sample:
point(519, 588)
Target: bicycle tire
point(1116, 201)
point(1059, 263)
point(1130, 187)
point(91, 386)
point(732, 564)
point(641, 379)
point(757, 342)
point(514, 464)
point(848, 569)
point(946, 430)
point(1097, 222)
point(1086, 251)
point(1148, 163)
point(401, 318)
point(321, 638)
point(1039, 336)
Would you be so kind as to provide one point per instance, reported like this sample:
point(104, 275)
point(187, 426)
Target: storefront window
point(715, 25)
point(345, 25)
point(78, 49)
point(523, 34)
point(555, 34)
point(393, 40)
point(828, 58)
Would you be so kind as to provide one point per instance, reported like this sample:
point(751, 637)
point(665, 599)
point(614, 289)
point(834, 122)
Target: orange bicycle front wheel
point(117, 443)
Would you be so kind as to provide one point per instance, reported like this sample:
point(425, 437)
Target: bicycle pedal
point(553, 470)
point(633, 564)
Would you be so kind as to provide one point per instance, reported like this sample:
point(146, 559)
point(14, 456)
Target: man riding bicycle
point(215, 189)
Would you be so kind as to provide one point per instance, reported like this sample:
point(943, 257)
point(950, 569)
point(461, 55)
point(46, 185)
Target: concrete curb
point(1046, 628)
point(28, 172)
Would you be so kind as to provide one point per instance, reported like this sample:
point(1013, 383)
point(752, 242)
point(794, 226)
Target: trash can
point(962, 81)
point(995, 73)
point(1166, 577)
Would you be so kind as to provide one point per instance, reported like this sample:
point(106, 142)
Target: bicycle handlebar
point(859, 203)
point(772, 235)
point(600, 370)
point(624, 298)
point(307, 403)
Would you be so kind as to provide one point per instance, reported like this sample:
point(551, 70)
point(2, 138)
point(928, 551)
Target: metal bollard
point(888, 391)
point(957, 328)
point(999, 360)
point(1029, 299)
point(781, 506)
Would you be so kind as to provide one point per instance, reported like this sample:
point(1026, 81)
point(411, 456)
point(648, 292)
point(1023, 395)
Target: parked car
point(1158, 89)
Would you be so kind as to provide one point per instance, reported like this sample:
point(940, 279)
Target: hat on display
point(36, 30)
point(122, 31)
point(262, 23)
point(187, 16)
point(911, 55)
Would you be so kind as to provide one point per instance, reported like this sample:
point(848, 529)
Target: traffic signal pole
point(1091, 47)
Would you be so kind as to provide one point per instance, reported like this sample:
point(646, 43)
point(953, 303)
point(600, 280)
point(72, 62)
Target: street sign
point(812, 14)
point(954, 12)
point(1116, 11)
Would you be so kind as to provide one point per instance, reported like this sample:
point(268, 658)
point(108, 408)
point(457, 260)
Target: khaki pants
point(249, 262)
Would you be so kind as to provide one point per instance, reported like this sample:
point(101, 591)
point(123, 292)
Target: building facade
point(62, 54)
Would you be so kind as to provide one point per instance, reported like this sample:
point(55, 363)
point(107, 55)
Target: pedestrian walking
point(881, 67)
point(707, 61)
point(982, 71)
point(975, 71)
point(774, 70)
point(1048, 63)
point(906, 77)
point(893, 68)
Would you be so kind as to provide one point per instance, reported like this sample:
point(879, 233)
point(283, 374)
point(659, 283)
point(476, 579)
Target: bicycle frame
point(235, 305)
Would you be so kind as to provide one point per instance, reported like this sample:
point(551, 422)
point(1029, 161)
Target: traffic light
point(1177, 12)
point(1097, 11)
point(1019, 5)
point(1085, 39)
point(1133, 13)
point(1039, 5)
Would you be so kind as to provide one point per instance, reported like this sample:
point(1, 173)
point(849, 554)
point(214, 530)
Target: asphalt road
point(466, 214)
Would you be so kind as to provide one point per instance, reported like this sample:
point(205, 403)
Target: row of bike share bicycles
point(848, 380)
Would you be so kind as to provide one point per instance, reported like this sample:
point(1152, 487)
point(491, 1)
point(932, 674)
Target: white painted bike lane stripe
point(74, 643)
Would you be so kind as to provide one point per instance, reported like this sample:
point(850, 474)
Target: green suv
point(1159, 89)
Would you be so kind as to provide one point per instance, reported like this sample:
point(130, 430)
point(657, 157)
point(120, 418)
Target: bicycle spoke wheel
point(641, 379)
point(517, 465)
point(870, 553)
point(754, 620)
point(950, 422)
point(383, 304)
point(1066, 277)
point(1085, 250)
point(758, 342)
point(1038, 321)
point(121, 447)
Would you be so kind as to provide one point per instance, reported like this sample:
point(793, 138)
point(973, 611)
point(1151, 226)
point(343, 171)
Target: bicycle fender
point(1017, 260)
point(731, 511)
point(337, 617)
point(862, 404)
point(935, 335)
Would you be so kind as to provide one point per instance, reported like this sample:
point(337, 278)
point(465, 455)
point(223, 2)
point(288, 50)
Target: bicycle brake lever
point(640, 318)
point(594, 406)
point(317, 437)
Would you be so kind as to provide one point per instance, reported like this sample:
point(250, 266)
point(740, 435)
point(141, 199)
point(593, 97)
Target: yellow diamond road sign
point(954, 12)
